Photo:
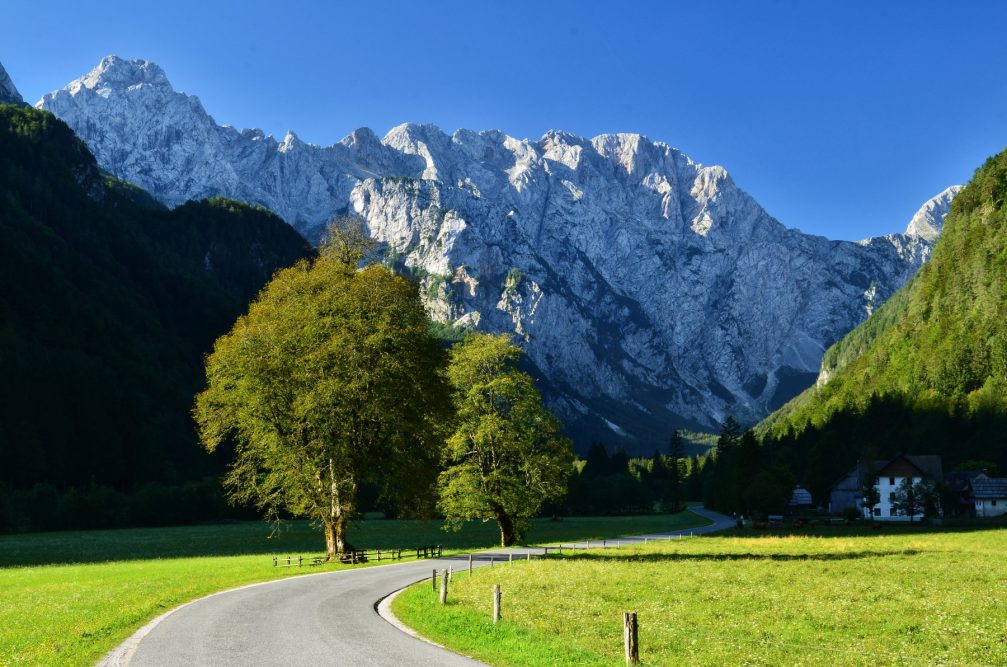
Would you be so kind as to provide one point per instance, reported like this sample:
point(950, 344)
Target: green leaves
point(506, 455)
point(332, 377)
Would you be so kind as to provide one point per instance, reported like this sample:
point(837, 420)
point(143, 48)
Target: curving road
point(325, 618)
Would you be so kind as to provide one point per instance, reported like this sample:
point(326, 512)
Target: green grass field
point(839, 598)
point(67, 598)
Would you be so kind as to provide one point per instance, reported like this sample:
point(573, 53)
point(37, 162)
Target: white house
point(890, 475)
point(990, 495)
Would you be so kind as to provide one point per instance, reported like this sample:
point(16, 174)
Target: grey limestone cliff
point(650, 291)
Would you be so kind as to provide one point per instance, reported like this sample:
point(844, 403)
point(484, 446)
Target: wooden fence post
point(510, 559)
point(630, 633)
point(444, 586)
point(470, 565)
point(491, 561)
point(434, 580)
point(496, 603)
point(450, 572)
point(528, 554)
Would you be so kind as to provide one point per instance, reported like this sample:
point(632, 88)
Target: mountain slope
point(107, 303)
point(941, 342)
point(8, 93)
point(650, 291)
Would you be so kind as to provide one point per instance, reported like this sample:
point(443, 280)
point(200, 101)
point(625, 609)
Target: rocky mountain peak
point(114, 72)
point(649, 291)
point(8, 92)
point(928, 222)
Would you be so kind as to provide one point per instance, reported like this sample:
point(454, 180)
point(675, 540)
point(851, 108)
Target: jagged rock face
point(929, 220)
point(650, 291)
point(8, 93)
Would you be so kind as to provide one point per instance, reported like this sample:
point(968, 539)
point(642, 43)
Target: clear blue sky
point(839, 117)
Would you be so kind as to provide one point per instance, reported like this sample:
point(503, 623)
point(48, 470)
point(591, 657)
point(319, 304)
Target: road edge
point(122, 654)
point(383, 608)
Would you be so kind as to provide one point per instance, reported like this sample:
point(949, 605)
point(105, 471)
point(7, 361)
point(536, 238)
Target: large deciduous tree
point(507, 455)
point(331, 378)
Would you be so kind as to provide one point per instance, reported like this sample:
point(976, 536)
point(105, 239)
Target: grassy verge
point(67, 598)
point(903, 598)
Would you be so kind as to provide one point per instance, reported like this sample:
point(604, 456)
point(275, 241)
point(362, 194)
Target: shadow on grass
point(747, 556)
point(886, 529)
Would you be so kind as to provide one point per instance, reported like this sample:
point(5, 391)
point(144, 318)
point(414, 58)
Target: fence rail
point(356, 556)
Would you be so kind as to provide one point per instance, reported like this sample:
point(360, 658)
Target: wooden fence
point(355, 556)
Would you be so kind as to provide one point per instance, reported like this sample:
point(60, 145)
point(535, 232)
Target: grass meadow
point(836, 598)
point(67, 598)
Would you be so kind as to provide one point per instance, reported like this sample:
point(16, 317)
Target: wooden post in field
point(510, 559)
point(630, 634)
point(274, 561)
point(298, 560)
point(470, 565)
point(434, 580)
point(450, 572)
point(560, 548)
point(491, 561)
point(529, 556)
point(444, 586)
point(496, 603)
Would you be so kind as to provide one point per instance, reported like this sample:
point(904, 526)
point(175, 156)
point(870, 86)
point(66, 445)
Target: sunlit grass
point(926, 598)
point(67, 598)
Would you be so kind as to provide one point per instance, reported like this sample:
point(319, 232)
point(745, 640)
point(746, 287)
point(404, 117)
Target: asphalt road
point(327, 618)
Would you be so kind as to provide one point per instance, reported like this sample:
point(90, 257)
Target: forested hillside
point(927, 373)
point(108, 302)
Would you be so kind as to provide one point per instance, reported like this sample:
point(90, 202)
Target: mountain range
point(650, 291)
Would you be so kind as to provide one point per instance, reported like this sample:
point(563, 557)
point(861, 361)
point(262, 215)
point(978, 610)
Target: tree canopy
point(506, 455)
point(330, 379)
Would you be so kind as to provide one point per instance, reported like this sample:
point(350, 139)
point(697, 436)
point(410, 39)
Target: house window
point(892, 512)
point(891, 481)
point(877, 511)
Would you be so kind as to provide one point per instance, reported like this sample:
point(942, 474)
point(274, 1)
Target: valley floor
point(68, 598)
point(836, 598)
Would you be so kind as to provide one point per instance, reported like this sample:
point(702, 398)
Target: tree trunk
point(507, 535)
point(331, 551)
point(337, 518)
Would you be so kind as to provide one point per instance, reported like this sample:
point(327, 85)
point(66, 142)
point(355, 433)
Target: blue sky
point(839, 117)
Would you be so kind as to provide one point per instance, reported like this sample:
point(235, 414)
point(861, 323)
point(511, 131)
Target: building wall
point(986, 508)
point(886, 486)
point(846, 493)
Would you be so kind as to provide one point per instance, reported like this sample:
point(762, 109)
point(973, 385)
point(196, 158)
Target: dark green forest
point(108, 302)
